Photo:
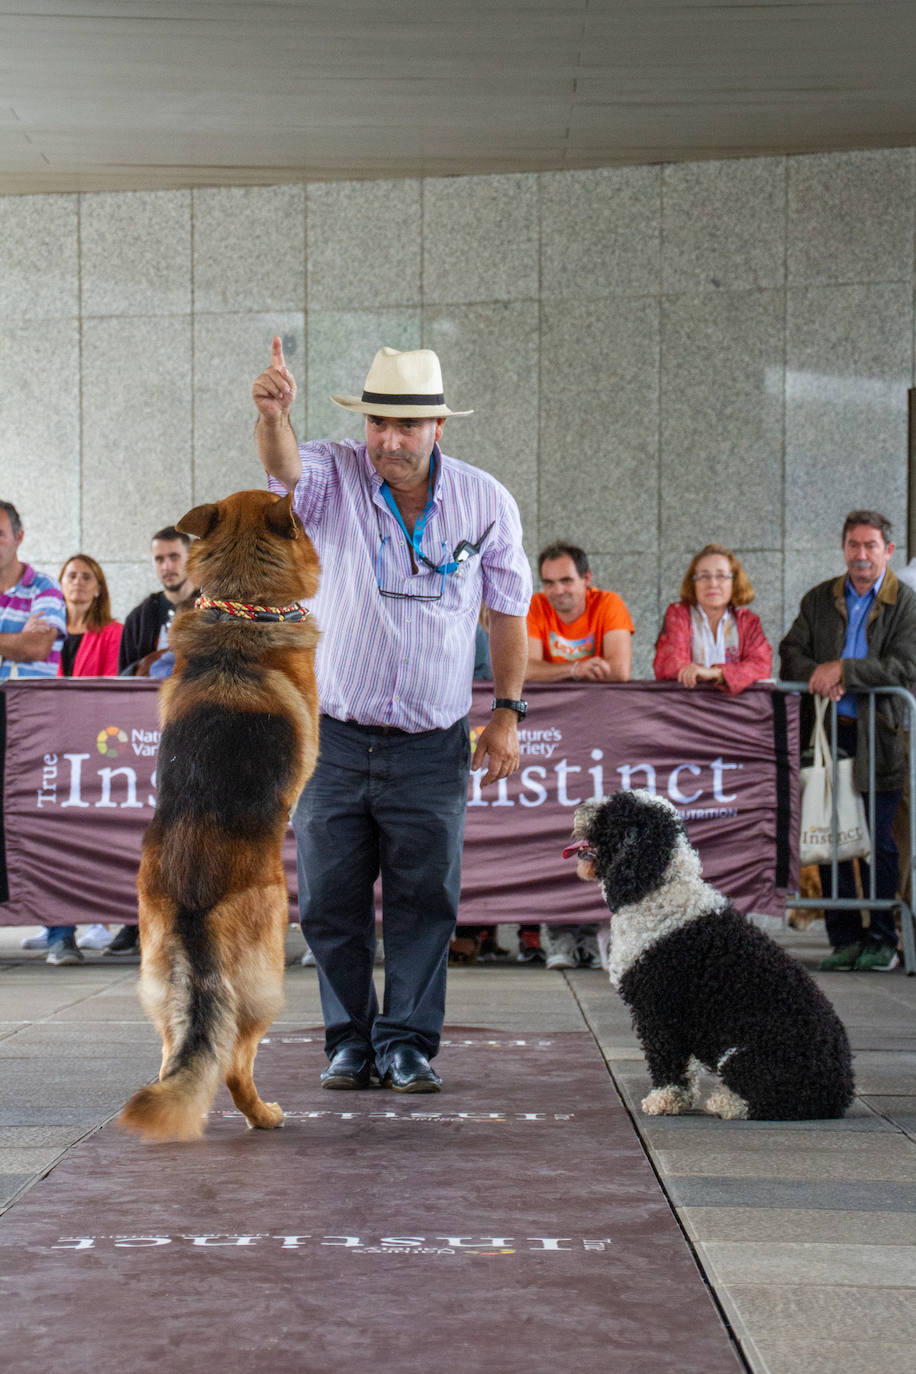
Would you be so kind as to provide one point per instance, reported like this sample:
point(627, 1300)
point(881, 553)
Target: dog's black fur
point(703, 983)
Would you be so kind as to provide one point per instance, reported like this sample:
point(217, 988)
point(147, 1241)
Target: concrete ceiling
point(135, 94)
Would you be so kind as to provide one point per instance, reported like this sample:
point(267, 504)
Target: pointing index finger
point(276, 353)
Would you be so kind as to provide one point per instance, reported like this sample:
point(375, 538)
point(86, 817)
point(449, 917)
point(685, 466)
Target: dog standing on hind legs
point(705, 987)
point(238, 743)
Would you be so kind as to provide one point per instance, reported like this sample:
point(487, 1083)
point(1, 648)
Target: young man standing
point(576, 633)
point(146, 628)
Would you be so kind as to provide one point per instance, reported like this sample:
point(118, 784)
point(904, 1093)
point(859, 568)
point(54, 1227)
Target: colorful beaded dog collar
point(241, 611)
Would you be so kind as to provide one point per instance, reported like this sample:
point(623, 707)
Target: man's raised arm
point(273, 393)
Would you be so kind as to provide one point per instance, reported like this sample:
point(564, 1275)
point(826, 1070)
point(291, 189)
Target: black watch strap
point(519, 707)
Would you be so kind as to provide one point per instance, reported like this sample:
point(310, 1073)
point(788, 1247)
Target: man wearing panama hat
point(411, 542)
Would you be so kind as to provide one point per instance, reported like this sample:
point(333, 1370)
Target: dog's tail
point(195, 1008)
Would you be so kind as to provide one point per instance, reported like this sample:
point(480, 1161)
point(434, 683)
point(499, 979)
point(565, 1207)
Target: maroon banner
point(80, 786)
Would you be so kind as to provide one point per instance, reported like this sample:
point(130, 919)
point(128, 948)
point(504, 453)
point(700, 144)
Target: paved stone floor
point(805, 1232)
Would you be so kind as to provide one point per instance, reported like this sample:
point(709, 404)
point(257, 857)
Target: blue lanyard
point(415, 539)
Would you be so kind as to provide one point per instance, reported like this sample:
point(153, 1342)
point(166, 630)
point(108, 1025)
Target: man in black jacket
point(147, 625)
point(852, 632)
point(146, 629)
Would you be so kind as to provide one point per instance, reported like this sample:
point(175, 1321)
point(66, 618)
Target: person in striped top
point(411, 543)
point(26, 649)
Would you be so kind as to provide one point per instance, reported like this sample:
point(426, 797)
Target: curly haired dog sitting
point(706, 987)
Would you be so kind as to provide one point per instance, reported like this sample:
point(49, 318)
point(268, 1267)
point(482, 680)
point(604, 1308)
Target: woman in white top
point(710, 635)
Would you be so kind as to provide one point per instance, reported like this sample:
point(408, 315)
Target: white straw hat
point(402, 384)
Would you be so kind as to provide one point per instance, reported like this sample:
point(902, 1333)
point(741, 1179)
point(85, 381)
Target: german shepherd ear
point(199, 521)
point(280, 520)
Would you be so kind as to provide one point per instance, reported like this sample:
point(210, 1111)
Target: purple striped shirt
point(33, 594)
point(385, 661)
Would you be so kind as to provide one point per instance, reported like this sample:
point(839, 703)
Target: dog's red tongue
point(580, 849)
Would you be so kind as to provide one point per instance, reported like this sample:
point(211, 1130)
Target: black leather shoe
point(410, 1072)
point(351, 1067)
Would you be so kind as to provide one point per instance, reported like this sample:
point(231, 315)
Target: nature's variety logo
point(476, 732)
point(110, 740)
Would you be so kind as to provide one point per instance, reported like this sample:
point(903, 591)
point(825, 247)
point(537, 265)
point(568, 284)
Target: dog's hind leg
point(240, 1078)
point(259, 986)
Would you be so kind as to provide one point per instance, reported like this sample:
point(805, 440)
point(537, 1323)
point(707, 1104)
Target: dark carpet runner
point(511, 1223)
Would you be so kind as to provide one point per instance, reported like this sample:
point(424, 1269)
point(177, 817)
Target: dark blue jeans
point(845, 927)
point(390, 804)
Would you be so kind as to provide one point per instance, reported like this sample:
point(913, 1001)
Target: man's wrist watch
point(519, 707)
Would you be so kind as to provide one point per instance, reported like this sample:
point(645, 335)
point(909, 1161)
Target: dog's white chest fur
point(681, 897)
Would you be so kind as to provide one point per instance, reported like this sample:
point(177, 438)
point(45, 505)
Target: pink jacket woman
point(97, 655)
point(710, 635)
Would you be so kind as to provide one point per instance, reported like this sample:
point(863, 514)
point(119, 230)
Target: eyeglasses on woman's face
point(712, 577)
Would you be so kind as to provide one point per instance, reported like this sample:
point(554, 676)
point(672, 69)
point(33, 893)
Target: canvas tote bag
point(817, 803)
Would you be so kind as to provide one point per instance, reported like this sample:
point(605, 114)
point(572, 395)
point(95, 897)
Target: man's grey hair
point(874, 518)
point(13, 514)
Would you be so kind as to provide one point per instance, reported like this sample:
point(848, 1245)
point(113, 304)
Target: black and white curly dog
point(706, 987)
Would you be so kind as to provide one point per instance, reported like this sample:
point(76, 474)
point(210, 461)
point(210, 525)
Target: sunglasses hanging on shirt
point(464, 550)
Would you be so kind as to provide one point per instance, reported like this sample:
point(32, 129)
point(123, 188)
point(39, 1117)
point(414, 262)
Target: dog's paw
point(670, 1101)
point(723, 1102)
point(266, 1117)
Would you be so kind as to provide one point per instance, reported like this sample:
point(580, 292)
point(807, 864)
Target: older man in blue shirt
point(854, 632)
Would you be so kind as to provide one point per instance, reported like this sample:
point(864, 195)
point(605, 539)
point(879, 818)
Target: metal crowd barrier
point(907, 919)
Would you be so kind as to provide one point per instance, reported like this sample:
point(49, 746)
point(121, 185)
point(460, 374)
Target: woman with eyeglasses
point(710, 635)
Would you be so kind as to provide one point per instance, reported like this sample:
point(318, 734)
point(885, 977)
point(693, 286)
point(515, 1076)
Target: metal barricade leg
point(869, 898)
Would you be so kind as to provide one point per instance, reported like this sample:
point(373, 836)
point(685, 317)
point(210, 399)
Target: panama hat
point(402, 384)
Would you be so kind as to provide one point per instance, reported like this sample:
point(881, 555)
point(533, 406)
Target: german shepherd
point(239, 741)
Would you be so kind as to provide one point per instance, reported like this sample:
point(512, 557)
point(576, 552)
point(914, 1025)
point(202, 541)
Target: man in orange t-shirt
point(575, 630)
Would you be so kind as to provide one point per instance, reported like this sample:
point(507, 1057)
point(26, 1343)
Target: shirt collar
point(705, 618)
point(853, 595)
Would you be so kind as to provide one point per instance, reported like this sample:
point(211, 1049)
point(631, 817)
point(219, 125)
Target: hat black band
point(387, 398)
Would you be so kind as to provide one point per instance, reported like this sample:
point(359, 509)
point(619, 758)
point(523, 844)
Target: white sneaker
point(64, 952)
point(95, 937)
point(308, 960)
point(35, 941)
point(560, 945)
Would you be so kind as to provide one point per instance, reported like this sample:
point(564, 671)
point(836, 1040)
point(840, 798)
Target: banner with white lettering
point(79, 789)
point(729, 765)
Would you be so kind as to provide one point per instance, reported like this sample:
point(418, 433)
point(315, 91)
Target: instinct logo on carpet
point(372, 1245)
point(448, 1118)
point(451, 1044)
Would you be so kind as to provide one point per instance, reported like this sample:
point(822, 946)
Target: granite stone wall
point(656, 356)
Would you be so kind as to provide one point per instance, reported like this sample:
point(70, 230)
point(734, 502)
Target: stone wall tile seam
point(784, 425)
point(539, 381)
point(192, 370)
point(912, 552)
point(659, 453)
point(80, 454)
point(143, 315)
point(302, 382)
point(474, 300)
